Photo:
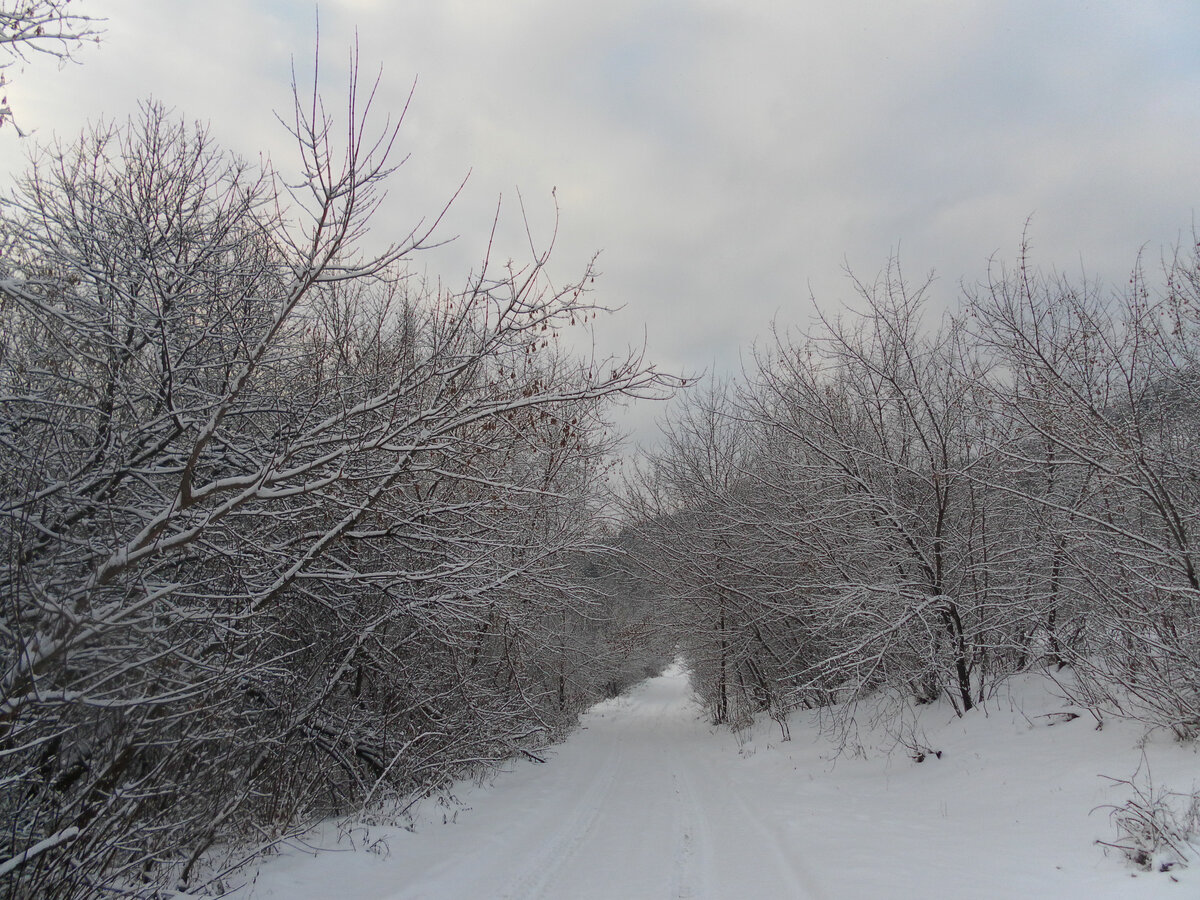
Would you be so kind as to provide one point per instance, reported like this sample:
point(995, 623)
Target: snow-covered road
point(636, 804)
point(647, 801)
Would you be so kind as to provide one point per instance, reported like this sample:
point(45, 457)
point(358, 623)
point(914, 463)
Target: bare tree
point(283, 527)
point(1101, 400)
point(880, 411)
point(46, 28)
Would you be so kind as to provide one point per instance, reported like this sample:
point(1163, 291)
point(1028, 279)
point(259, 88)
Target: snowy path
point(646, 801)
point(636, 804)
point(637, 800)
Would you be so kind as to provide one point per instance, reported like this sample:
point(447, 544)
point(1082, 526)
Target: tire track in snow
point(642, 803)
point(683, 873)
point(800, 884)
point(540, 871)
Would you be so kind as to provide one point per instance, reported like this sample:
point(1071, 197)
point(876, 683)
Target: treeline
point(923, 505)
point(285, 530)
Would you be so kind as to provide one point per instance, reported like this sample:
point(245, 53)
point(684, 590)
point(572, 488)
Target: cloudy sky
point(727, 158)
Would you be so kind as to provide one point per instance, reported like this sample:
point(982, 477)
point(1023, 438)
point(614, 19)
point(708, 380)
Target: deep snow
point(647, 800)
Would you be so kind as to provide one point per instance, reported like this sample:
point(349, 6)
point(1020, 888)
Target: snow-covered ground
point(647, 800)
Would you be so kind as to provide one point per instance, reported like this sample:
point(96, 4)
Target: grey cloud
point(726, 157)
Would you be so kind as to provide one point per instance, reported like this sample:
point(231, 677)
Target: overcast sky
point(727, 157)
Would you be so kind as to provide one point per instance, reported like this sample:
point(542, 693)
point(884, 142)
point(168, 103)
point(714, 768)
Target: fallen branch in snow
point(1058, 718)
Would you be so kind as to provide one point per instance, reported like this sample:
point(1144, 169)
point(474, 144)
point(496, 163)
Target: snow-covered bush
point(1157, 828)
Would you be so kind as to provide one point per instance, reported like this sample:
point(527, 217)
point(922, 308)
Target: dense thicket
point(283, 529)
point(925, 507)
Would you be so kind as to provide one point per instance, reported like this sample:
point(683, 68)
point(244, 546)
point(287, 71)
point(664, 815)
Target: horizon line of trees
point(889, 503)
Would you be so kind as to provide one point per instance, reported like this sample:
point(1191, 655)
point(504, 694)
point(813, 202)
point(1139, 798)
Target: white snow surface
point(648, 800)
